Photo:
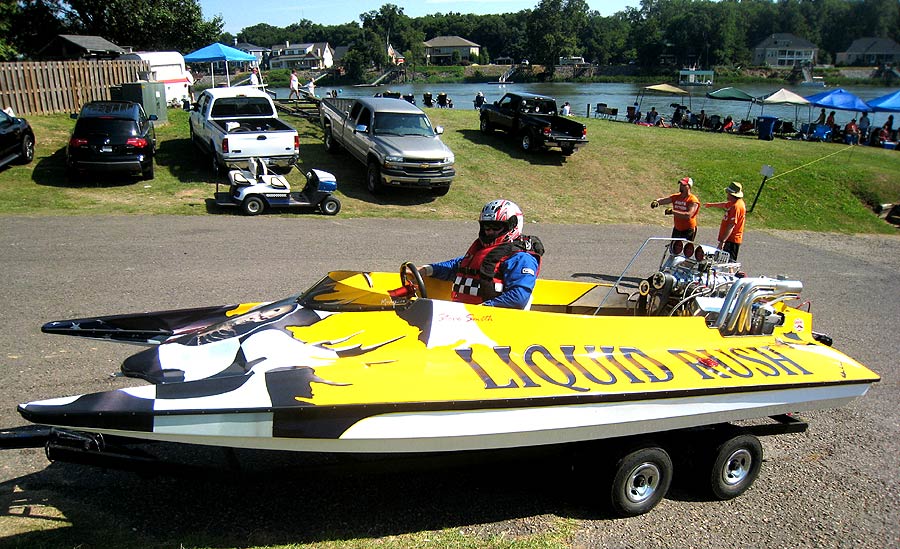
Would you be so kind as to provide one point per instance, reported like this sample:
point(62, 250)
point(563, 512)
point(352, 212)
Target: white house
point(310, 56)
point(785, 50)
point(439, 50)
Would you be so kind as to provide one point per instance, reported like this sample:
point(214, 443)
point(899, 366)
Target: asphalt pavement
point(836, 485)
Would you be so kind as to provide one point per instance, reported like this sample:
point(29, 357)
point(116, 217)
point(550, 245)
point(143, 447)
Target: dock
point(305, 107)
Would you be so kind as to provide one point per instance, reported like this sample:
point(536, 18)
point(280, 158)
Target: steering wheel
point(414, 283)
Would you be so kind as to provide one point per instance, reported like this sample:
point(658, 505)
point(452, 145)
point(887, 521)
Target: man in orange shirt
point(685, 207)
point(731, 231)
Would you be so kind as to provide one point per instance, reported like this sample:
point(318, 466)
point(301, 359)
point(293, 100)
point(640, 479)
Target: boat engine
point(686, 272)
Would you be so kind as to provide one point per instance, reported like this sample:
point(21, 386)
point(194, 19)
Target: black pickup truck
point(535, 120)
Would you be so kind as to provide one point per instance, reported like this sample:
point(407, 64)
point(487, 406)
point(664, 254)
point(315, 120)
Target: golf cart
point(254, 189)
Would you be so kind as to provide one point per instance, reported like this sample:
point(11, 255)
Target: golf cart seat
point(257, 172)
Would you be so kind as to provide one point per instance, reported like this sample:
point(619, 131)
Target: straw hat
point(735, 189)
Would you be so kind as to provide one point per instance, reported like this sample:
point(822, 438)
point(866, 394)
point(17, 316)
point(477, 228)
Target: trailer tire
point(253, 205)
point(640, 481)
point(735, 466)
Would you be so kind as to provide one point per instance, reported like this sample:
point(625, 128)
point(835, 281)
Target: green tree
point(554, 26)
point(143, 24)
point(8, 11)
point(389, 25)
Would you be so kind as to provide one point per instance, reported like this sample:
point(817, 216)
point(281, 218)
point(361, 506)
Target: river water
point(584, 97)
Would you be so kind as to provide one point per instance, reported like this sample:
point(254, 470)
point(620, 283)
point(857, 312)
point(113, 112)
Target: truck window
point(242, 106)
point(507, 102)
point(397, 123)
point(365, 117)
point(354, 111)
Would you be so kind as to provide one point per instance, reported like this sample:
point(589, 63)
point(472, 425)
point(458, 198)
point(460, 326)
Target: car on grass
point(16, 140)
point(112, 137)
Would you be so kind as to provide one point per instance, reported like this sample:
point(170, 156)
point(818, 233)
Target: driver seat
point(273, 180)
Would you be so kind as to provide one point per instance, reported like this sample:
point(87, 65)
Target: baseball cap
point(686, 181)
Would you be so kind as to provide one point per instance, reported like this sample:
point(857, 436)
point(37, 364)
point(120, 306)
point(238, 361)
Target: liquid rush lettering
point(609, 365)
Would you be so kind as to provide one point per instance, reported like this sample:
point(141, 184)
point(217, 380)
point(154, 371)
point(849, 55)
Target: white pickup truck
point(393, 139)
point(234, 124)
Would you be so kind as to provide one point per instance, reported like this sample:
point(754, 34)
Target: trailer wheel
point(330, 206)
point(736, 465)
point(641, 480)
point(253, 205)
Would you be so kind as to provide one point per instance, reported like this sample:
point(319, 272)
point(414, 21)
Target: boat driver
point(501, 266)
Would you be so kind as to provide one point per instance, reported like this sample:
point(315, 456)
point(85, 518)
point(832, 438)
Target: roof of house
point(340, 52)
point(249, 48)
point(873, 45)
point(306, 46)
point(450, 42)
point(785, 39)
point(92, 43)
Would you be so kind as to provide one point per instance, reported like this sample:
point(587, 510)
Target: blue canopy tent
point(839, 99)
point(885, 103)
point(219, 52)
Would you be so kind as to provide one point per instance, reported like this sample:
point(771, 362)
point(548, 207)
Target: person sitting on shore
point(851, 133)
point(728, 125)
point(676, 117)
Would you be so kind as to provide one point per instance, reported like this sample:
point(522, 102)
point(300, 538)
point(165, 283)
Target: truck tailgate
point(245, 144)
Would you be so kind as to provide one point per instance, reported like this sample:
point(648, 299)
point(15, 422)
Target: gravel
point(835, 485)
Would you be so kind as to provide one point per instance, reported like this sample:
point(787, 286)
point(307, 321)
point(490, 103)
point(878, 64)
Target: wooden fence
point(45, 87)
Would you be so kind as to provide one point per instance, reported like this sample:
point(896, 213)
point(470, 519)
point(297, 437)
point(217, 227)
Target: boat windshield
point(351, 291)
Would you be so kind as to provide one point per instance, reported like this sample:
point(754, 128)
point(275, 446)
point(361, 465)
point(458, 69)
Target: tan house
point(310, 56)
point(439, 50)
point(869, 52)
point(785, 50)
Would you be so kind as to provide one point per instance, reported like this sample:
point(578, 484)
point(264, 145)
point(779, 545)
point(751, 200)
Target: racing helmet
point(505, 212)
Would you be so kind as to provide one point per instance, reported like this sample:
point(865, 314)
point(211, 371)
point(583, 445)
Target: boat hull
point(437, 429)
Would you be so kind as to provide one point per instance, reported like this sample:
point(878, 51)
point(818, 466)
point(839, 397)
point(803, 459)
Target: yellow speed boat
point(375, 363)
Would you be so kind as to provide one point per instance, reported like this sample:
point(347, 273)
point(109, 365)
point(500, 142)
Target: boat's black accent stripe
point(201, 388)
point(111, 410)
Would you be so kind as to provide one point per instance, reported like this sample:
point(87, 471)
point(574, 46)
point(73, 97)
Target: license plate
point(106, 149)
point(423, 181)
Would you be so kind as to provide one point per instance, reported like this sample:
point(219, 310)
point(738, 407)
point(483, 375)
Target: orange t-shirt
point(736, 213)
point(683, 205)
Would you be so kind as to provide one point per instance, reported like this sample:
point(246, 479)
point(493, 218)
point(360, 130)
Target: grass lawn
point(816, 186)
